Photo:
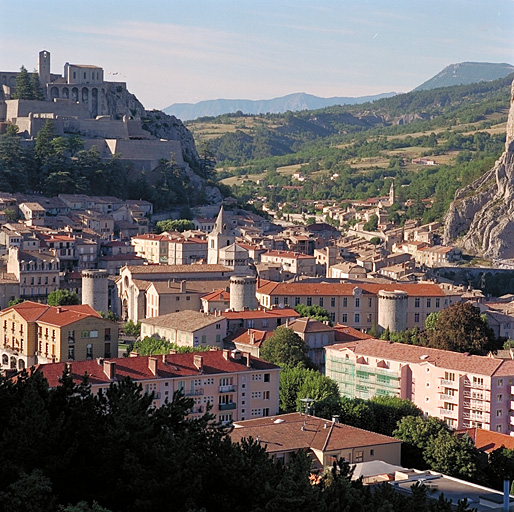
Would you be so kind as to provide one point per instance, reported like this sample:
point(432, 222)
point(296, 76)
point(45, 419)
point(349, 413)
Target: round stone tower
point(242, 293)
point(392, 310)
point(95, 287)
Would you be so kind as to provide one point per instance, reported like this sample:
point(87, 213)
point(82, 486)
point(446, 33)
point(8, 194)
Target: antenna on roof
point(305, 408)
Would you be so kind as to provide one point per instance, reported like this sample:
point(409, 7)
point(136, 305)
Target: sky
point(185, 51)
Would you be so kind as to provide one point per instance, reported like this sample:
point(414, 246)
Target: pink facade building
point(463, 390)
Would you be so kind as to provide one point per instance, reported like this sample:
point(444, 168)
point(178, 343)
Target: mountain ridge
point(462, 73)
point(294, 102)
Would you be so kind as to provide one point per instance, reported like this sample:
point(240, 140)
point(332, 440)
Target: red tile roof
point(137, 368)
point(284, 433)
point(261, 313)
point(334, 289)
point(346, 333)
point(480, 365)
point(250, 337)
point(486, 440)
point(58, 316)
point(287, 254)
point(216, 295)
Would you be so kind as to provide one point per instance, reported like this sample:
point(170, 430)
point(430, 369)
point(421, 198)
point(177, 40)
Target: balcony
point(484, 418)
point(227, 389)
point(448, 398)
point(197, 410)
point(449, 383)
point(227, 407)
point(450, 413)
point(193, 392)
point(476, 385)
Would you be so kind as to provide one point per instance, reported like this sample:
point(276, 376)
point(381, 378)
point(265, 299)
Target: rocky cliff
point(482, 213)
point(163, 126)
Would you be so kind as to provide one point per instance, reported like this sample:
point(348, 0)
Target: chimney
point(248, 359)
point(252, 336)
point(172, 352)
point(226, 354)
point(335, 418)
point(152, 365)
point(287, 322)
point(198, 362)
point(59, 310)
point(110, 369)
point(164, 359)
point(183, 286)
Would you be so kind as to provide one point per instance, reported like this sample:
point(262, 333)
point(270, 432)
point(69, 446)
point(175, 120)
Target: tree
point(297, 383)
point(460, 328)
point(372, 224)
point(175, 225)
point(132, 329)
point(37, 90)
point(62, 298)
point(15, 301)
point(389, 410)
point(285, 348)
point(24, 90)
point(317, 312)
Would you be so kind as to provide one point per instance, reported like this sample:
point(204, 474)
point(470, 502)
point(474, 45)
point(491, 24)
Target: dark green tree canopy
point(175, 225)
point(285, 348)
point(317, 312)
point(460, 328)
point(62, 298)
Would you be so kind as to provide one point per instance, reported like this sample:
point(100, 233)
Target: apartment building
point(464, 390)
point(293, 262)
point(187, 328)
point(395, 306)
point(236, 386)
point(33, 333)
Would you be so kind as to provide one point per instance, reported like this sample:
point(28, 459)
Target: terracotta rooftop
point(334, 289)
point(170, 269)
point(486, 440)
point(287, 254)
point(216, 295)
point(480, 365)
point(285, 433)
point(164, 287)
point(137, 368)
point(250, 337)
point(58, 316)
point(261, 313)
point(309, 325)
point(346, 333)
point(188, 320)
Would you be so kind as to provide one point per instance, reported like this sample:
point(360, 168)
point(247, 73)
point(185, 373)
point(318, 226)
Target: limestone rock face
point(163, 126)
point(484, 210)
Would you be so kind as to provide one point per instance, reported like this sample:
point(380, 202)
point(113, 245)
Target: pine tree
point(37, 89)
point(24, 88)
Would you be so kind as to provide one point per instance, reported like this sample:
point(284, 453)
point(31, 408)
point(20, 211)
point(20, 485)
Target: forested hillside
point(353, 152)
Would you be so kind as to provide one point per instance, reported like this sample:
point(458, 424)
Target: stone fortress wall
point(81, 102)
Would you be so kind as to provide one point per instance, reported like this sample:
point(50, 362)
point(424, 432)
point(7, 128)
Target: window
point(499, 398)
point(437, 303)
point(267, 377)
point(286, 301)
point(416, 317)
point(449, 376)
point(321, 301)
point(359, 456)
point(218, 326)
point(204, 339)
point(499, 413)
point(218, 338)
point(89, 351)
point(309, 301)
point(71, 352)
point(344, 318)
point(429, 303)
point(332, 317)
point(500, 383)
point(417, 302)
point(296, 301)
point(370, 302)
point(357, 318)
point(333, 302)
point(265, 395)
point(275, 300)
point(357, 302)
point(372, 452)
point(265, 411)
point(498, 428)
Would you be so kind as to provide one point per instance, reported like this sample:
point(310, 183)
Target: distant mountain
point(466, 73)
point(294, 102)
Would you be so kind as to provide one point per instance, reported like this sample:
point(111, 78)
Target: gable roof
point(486, 440)
point(188, 320)
point(58, 316)
point(382, 349)
point(295, 431)
point(334, 289)
point(138, 368)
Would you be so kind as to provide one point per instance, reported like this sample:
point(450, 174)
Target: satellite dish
point(281, 305)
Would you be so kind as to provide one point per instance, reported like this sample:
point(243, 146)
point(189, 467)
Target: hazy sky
point(171, 51)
